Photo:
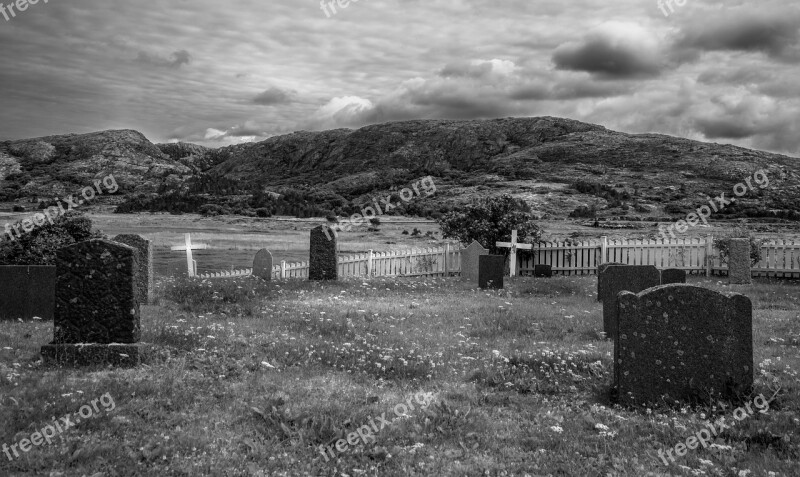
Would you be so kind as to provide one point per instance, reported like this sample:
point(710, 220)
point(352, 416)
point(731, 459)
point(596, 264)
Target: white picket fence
point(781, 258)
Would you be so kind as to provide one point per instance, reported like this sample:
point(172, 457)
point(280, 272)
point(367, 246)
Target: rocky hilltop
point(558, 166)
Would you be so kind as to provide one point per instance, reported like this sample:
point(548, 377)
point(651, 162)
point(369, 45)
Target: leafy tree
point(491, 220)
point(722, 244)
point(39, 246)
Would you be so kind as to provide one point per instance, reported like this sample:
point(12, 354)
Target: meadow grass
point(250, 378)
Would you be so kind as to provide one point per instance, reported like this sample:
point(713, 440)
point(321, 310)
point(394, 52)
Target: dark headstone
point(27, 292)
point(323, 263)
point(469, 261)
point(600, 270)
point(673, 276)
point(144, 256)
point(262, 265)
point(490, 271)
point(543, 271)
point(685, 343)
point(739, 270)
point(96, 304)
point(618, 278)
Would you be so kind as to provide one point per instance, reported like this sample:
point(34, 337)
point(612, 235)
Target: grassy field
point(248, 378)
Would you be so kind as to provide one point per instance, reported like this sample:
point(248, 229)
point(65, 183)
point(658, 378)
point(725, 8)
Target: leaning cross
point(191, 265)
point(513, 245)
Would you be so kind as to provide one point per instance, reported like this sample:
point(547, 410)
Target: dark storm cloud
point(272, 96)
point(773, 32)
point(175, 60)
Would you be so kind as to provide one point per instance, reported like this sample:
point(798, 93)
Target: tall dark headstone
point(27, 292)
point(490, 271)
point(543, 271)
point(144, 257)
point(672, 276)
point(600, 270)
point(619, 278)
point(684, 343)
point(262, 265)
point(97, 311)
point(739, 270)
point(323, 263)
point(469, 261)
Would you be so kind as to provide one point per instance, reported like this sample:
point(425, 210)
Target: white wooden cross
point(191, 265)
point(513, 245)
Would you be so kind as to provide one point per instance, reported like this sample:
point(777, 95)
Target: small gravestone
point(684, 343)
point(27, 292)
point(490, 271)
point(469, 261)
point(543, 271)
point(144, 279)
point(323, 263)
point(618, 278)
point(739, 272)
point(262, 264)
point(97, 311)
point(600, 270)
point(673, 276)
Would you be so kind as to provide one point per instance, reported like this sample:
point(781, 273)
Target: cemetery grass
point(250, 378)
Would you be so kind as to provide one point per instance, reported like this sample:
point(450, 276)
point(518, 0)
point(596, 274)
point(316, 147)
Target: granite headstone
point(144, 277)
point(739, 271)
point(97, 311)
point(600, 270)
point(469, 261)
point(323, 263)
point(262, 265)
point(490, 271)
point(618, 278)
point(672, 276)
point(682, 343)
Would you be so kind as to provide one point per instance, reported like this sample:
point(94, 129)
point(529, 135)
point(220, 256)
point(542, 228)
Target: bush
point(491, 220)
point(723, 245)
point(405, 232)
point(39, 246)
point(584, 212)
point(262, 212)
point(375, 221)
point(212, 210)
point(19, 208)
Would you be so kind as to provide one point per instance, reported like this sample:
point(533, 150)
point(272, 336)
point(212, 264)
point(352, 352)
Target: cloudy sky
point(221, 72)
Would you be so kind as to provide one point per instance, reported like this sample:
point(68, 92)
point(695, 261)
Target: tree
point(723, 243)
point(491, 220)
point(39, 246)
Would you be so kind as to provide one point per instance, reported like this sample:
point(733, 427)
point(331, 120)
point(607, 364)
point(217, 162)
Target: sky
point(222, 72)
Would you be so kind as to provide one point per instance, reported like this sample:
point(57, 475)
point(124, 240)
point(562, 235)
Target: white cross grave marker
point(513, 245)
point(191, 265)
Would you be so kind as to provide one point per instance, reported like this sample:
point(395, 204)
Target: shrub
point(584, 212)
point(19, 208)
point(39, 246)
point(375, 221)
point(262, 212)
point(211, 210)
point(723, 245)
point(405, 232)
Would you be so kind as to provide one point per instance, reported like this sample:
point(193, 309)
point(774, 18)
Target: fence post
point(446, 255)
point(709, 254)
point(283, 269)
point(369, 264)
point(604, 250)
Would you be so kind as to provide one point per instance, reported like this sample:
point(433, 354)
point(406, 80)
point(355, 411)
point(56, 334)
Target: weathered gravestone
point(618, 278)
point(684, 343)
point(262, 264)
point(600, 270)
point(672, 276)
point(323, 263)
point(543, 271)
point(739, 272)
point(144, 257)
point(490, 271)
point(469, 261)
point(97, 312)
point(27, 292)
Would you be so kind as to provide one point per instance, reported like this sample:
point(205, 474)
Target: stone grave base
point(122, 355)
